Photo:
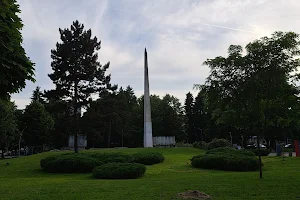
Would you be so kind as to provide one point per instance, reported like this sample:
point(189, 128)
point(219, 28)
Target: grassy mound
point(148, 158)
point(119, 171)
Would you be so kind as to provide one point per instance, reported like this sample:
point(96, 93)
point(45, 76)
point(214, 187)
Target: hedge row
point(215, 143)
point(69, 163)
point(149, 158)
point(225, 162)
point(119, 171)
point(230, 151)
point(200, 145)
point(133, 165)
point(228, 159)
point(110, 157)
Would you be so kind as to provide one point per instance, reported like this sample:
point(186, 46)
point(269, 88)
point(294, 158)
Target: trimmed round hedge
point(110, 157)
point(69, 163)
point(148, 158)
point(228, 159)
point(200, 145)
point(216, 143)
point(226, 162)
point(119, 171)
point(229, 150)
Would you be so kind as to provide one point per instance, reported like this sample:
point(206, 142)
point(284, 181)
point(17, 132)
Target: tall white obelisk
point(148, 141)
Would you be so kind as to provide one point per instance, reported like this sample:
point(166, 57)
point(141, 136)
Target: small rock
point(194, 194)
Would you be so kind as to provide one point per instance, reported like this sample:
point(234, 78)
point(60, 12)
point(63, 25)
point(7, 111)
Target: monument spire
point(148, 141)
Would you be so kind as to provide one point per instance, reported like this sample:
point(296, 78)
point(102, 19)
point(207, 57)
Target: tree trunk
point(20, 141)
point(20, 146)
point(76, 117)
point(3, 150)
point(259, 157)
point(109, 133)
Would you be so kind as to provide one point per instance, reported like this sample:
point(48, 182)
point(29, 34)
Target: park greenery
point(87, 161)
point(15, 66)
point(242, 95)
point(119, 171)
point(229, 159)
point(24, 179)
point(252, 91)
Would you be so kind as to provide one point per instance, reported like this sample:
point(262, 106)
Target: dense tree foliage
point(77, 73)
point(256, 92)
point(62, 115)
point(38, 125)
point(188, 108)
point(117, 119)
point(38, 95)
point(251, 92)
point(8, 125)
point(15, 66)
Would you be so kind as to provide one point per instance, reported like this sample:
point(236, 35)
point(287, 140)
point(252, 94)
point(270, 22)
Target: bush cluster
point(228, 159)
point(216, 143)
point(148, 158)
point(69, 163)
point(183, 144)
point(119, 171)
point(110, 157)
point(200, 145)
point(225, 162)
point(230, 151)
point(106, 165)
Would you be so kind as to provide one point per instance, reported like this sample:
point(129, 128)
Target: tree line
point(250, 92)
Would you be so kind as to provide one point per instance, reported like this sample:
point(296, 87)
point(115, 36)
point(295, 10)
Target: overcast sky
point(179, 36)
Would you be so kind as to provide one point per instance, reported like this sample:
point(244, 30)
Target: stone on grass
point(194, 194)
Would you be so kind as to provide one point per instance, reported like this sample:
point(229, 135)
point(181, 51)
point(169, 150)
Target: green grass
point(23, 179)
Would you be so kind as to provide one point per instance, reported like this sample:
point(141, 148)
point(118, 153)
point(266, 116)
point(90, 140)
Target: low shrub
point(216, 143)
point(119, 171)
point(148, 158)
point(230, 151)
point(226, 158)
point(183, 144)
point(69, 163)
point(263, 152)
point(110, 157)
point(200, 145)
point(226, 162)
point(46, 162)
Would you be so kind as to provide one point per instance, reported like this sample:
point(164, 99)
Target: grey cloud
point(179, 35)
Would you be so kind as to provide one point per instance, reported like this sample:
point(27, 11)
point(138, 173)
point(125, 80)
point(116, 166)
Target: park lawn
point(23, 179)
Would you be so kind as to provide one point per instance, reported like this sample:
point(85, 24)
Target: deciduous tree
point(15, 66)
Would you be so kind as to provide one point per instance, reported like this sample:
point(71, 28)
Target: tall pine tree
point(37, 95)
point(77, 72)
point(188, 108)
point(199, 115)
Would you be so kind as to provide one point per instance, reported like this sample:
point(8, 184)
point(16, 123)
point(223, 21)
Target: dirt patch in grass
point(194, 194)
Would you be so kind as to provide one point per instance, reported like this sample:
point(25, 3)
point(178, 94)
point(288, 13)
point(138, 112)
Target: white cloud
point(179, 35)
